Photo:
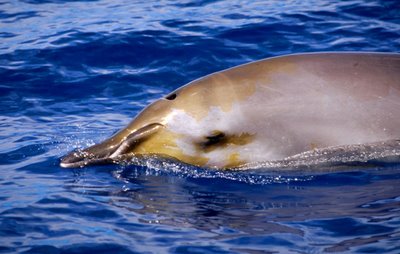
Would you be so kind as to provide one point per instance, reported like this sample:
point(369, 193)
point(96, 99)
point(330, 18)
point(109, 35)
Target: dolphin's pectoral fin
point(107, 151)
point(135, 138)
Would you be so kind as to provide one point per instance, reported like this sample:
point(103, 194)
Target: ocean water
point(74, 72)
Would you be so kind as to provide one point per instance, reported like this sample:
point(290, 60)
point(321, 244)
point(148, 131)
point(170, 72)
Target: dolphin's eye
point(171, 97)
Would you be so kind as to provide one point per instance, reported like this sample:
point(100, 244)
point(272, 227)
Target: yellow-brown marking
point(224, 89)
point(313, 146)
point(164, 143)
point(234, 161)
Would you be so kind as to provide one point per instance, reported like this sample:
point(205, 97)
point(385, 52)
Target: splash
point(156, 165)
point(336, 158)
point(300, 167)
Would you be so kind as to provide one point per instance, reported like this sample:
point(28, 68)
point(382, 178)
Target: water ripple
point(75, 71)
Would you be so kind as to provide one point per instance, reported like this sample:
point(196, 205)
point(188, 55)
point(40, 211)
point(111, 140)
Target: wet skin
point(265, 110)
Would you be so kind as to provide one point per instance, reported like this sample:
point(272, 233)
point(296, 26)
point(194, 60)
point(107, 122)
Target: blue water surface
point(74, 72)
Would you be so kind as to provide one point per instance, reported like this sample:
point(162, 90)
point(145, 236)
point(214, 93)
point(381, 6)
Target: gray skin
point(266, 110)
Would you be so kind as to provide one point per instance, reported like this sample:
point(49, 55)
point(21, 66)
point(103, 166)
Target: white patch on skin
point(234, 122)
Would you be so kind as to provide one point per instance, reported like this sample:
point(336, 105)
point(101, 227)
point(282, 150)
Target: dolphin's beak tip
point(65, 165)
point(73, 160)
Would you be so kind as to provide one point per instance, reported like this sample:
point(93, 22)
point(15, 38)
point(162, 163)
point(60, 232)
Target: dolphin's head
point(189, 124)
point(141, 136)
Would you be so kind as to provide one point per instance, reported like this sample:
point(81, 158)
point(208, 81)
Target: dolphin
point(266, 110)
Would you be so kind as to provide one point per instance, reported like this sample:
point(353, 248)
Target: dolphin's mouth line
point(84, 162)
point(134, 138)
point(105, 152)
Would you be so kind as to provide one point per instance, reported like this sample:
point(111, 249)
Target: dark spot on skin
point(355, 64)
point(215, 138)
point(171, 97)
point(218, 139)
